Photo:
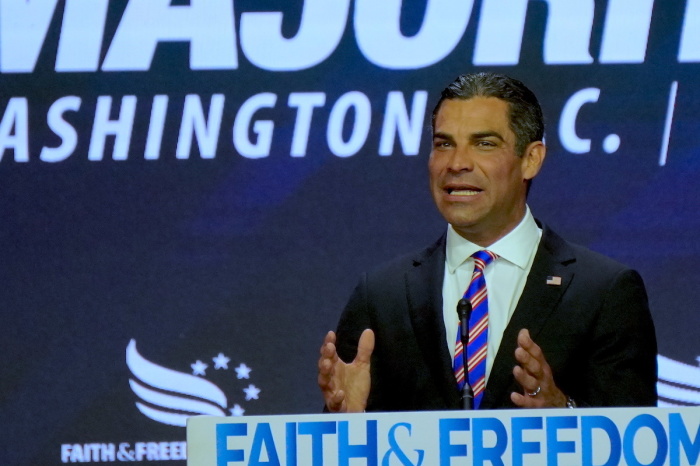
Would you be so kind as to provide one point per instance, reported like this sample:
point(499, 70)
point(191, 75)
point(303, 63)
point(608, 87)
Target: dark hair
point(525, 114)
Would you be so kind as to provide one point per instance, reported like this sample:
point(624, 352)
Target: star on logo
point(198, 368)
point(243, 371)
point(221, 361)
point(237, 410)
point(251, 393)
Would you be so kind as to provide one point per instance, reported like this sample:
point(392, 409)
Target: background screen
point(189, 190)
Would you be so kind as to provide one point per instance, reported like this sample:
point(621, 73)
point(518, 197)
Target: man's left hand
point(535, 377)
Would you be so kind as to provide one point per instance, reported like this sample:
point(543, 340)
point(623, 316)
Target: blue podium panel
point(613, 436)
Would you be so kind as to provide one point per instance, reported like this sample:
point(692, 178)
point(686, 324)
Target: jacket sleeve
point(621, 369)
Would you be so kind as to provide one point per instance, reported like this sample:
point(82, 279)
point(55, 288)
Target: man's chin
point(464, 227)
point(461, 217)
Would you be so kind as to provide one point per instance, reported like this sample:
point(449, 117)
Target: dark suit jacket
point(595, 330)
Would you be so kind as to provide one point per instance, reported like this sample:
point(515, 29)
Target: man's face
point(477, 180)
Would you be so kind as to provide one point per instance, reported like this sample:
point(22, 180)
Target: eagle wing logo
point(169, 396)
point(678, 383)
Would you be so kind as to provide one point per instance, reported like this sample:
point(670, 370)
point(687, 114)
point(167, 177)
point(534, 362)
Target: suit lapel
point(424, 290)
point(536, 304)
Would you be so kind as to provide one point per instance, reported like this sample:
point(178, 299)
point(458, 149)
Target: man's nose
point(461, 160)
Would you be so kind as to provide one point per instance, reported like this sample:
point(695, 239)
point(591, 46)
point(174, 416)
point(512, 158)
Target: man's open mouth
point(461, 191)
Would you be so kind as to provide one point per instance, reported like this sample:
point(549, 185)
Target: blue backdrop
point(200, 183)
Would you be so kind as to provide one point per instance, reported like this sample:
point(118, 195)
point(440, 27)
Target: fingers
point(528, 382)
point(336, 402)
point(329, 356)
point(325, 372)
point(345, 387)
point(524, 337)
point(326, 362)
point(529, 355)
point(534, 375)
point(365, 347)
point(333, 397)
point(522, 401)
point(328, 339)
point(528, 373)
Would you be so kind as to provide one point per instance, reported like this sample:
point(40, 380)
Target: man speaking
point(546, 323)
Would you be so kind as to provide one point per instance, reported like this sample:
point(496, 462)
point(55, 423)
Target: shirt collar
point(515, 247)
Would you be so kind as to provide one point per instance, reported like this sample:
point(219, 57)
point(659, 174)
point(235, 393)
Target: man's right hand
point(345, 387)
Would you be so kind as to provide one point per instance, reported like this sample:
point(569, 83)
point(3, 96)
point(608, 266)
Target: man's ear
point(532, 159)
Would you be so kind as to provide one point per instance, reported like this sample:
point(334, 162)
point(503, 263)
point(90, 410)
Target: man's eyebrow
point(487, 134)
point(441, 135)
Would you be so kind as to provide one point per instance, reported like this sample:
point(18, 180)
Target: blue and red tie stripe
point(478, 330)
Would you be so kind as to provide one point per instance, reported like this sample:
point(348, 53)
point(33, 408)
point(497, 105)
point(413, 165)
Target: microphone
point(464, 311)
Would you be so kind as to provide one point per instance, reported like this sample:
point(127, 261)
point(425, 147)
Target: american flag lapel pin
point(553, 280)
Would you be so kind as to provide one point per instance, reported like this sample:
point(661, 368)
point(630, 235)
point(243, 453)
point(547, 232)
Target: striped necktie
point(478, 330)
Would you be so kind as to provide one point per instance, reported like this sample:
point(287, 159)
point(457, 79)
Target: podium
point(582, 436)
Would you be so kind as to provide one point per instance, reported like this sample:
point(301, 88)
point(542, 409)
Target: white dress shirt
point(505, 279)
